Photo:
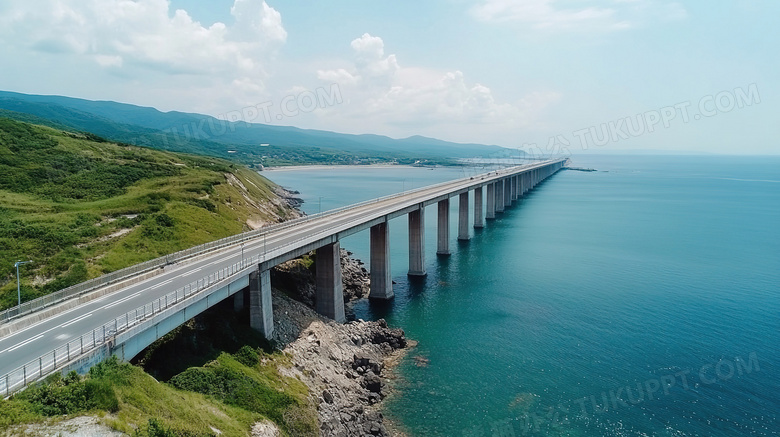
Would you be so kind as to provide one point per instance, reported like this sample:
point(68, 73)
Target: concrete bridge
point(123, 319)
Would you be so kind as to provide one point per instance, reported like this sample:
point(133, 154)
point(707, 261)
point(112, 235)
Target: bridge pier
point(329, 300)
point(417, 242)
point(463, 216)
point(238, 301)
point(520, 186)
point(500, 196)
point(479, 220)
point(513, 197)
point(508, 192)
point(381, 279)
point(443, 242)
point(490, 212)
point(261, 313)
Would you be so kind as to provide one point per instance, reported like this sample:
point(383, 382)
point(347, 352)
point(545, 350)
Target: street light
point(18, 286)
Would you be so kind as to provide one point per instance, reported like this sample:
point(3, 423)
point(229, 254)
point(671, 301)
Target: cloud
point(147, 34)
point(593, 15)
point(390, 97)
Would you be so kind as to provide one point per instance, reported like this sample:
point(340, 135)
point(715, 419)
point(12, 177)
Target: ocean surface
point(639, 300)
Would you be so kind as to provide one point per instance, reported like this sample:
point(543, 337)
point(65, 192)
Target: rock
point(327, 396)
point(265, 429)
point(372, 383)
point(346, 372)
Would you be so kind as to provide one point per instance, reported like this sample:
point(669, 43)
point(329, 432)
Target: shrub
point(247, 356)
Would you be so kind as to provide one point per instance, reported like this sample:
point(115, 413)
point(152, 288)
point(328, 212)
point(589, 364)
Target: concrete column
point(513, 197)
point(520, 185)
point(491, 201)
point(417, 242)
point(463, 216)
point(508, 192)
point(381, 280)
point(443, 246)
point(500, 196)
point(329, 300)
point(238, 301)
point(261, 314)
point(479, 221)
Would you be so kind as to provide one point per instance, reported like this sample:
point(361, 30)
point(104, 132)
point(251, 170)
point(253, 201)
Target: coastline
point(348, 367)
point(335, 166)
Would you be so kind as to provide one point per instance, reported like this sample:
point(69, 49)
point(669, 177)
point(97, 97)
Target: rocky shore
point(343, 364)
point(290, 197)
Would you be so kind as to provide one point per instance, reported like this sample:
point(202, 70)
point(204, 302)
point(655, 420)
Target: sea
point(641, 299)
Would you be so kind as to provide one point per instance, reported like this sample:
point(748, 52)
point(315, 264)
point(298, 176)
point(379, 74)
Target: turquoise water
point(640, 300)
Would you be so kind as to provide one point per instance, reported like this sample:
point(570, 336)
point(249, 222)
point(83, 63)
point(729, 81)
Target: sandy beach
point(336, 166)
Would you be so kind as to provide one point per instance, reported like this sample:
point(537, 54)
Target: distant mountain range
point(246, 142)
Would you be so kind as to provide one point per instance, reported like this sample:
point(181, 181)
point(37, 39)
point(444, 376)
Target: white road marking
point(75, 320)
point(22, 343)
point(122, 300)
point(162, 283)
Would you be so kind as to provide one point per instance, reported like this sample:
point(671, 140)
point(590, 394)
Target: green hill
point(252, 143)
point(80, 206)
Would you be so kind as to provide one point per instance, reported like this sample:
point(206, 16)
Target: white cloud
point(393, 99)
point(148, 35)
point(592, 15)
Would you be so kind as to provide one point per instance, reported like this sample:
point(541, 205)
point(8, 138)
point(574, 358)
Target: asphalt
point(26, 345)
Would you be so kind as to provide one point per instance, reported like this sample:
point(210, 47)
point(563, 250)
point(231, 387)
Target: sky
point(546, 76)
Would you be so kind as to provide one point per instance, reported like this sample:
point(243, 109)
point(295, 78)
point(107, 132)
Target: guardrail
point(119, 275)
point(52, 361)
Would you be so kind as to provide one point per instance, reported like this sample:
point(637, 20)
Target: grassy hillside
point(224, 397)
point(202, 134)
point(80, 206)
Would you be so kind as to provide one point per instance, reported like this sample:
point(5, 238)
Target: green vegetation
point(129, 400)
point(80, 206)
point(249, 143)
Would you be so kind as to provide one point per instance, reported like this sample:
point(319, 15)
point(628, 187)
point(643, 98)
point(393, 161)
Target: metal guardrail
point(52, 361)
point(119, 275)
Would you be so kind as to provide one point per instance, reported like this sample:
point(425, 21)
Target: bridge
point(122, 315)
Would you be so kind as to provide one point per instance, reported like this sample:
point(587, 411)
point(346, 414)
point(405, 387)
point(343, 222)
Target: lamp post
point(18, 284)
point(244, 230)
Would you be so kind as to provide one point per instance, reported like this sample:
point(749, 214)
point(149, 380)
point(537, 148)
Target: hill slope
point(205, 134)
point(80, 206)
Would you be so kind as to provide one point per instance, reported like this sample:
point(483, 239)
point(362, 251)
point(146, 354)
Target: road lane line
point(75, 320)
point(22, 343)
point(162, 283)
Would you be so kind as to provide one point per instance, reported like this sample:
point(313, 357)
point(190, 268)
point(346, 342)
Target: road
point(23, 346)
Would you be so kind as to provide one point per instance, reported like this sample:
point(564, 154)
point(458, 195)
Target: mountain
point(247, 142)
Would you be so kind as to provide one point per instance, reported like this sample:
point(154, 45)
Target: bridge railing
point(128, 272)
point(52, 361)
point(56, 359)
